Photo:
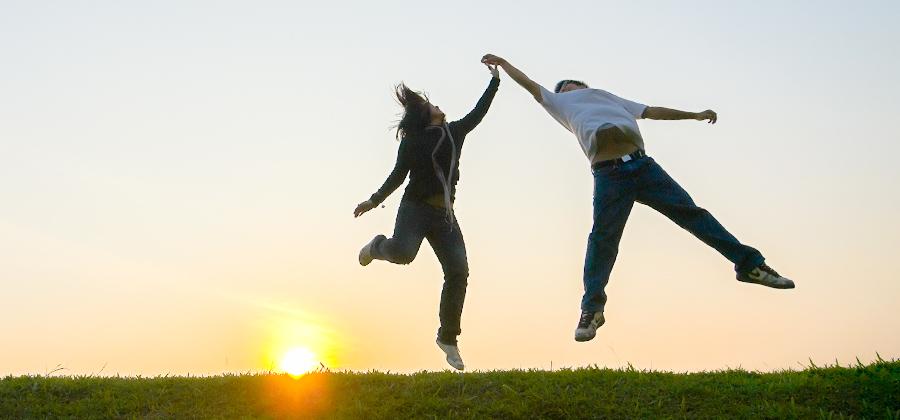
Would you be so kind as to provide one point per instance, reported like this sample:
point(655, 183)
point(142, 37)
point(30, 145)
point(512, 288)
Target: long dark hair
point(416, 115)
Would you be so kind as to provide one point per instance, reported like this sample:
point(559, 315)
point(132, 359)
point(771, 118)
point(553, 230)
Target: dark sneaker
point(365, 254)
point(766, 276)
point(588, 324)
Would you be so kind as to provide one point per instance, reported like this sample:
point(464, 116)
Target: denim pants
point(417, 221)
point(616, 188)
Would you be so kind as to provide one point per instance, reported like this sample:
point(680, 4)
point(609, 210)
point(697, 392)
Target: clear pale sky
point(178, 180)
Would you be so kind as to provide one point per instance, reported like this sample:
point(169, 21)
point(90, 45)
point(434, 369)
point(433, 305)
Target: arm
point(533, 88)
point(471, 120)
point(393, 181)
point(660, 113)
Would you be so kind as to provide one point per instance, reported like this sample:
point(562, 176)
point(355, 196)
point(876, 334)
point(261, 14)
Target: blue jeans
point(417, 221)
point(616, 188)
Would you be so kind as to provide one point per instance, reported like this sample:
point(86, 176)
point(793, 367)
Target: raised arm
point(471, 120)
point(393, 181)
point(660, 113)
point(530, 85)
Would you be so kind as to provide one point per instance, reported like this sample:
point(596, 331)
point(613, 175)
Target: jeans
point(417, 221)
point(616, 188)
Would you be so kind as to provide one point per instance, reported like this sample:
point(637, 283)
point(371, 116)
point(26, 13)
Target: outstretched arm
point(660, 113)
point(393, 181)
point(471, 120)
point(533, 88)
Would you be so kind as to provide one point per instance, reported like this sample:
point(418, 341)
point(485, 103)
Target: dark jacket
point(414, 155)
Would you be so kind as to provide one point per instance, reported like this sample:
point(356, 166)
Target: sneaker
point(766, 276)
point(365, 254)
point(588, 324)
point(452, 352)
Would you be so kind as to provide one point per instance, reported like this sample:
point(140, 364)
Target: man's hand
point(494, 72)
point(661, 113)
point(363, 207)
point(707, 115)
point(493, 60)
point(533, 88)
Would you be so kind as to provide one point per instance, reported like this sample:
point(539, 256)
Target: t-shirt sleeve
point(636, 109)
point(554, 105)
point(549, 101)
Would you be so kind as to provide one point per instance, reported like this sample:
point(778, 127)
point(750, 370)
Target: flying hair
point(416, 115)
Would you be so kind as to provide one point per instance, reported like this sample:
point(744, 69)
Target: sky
point(178, 181)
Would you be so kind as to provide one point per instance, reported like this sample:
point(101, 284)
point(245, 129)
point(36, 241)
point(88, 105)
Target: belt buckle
point(626, 158)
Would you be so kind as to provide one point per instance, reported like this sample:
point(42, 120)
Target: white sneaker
point(766, 276)
point(453, 357)
point(588, 324)
point(365, 254)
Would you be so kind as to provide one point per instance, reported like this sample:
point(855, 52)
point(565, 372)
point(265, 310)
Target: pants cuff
point(376, 247)
point(749, 263)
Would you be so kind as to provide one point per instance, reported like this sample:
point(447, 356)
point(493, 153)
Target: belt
point(435, 201)
point(618, 161)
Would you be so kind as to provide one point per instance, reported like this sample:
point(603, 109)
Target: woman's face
point(437, 116)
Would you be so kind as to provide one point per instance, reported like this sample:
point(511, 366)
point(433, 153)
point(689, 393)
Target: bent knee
point(604, 238)
point(696, 212)
point(457, 274)
point(404, 258)
point(401, 254)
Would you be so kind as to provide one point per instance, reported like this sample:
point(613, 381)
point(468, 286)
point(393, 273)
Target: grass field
point(870, 391)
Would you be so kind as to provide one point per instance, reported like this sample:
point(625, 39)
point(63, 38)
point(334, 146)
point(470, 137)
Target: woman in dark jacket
point(429, 152)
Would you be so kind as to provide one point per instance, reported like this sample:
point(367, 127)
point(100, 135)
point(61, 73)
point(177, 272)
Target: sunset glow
point(298, 361)
point(179, 183)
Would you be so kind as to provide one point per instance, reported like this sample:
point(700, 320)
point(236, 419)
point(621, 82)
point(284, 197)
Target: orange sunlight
point(298, 361)
point(298, 342)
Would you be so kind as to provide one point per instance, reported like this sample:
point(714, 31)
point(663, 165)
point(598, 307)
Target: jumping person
point(429, 152)
point(606, 127)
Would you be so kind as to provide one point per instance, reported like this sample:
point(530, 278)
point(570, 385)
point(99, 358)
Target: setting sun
point(297, 361)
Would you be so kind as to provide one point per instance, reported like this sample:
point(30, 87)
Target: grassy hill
point(871, 391)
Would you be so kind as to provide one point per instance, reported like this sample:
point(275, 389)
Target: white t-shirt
point(583, 111)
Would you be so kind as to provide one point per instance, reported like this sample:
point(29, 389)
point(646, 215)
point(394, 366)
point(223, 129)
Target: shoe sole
point(593, 333)
point(363, 260)
point(365, 254)
point(441, 346)
point(773, 286)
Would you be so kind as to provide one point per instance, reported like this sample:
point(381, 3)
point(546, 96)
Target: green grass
point(864, 391)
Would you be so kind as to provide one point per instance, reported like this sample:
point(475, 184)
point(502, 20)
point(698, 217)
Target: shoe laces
point(586, 318)
point(769, 270)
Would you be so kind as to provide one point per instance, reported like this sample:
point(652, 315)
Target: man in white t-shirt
point(606, 128)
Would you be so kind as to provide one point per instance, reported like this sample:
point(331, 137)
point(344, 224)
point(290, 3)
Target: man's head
point(568, 85)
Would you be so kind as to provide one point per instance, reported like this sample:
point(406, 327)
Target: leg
point(613, 200)
point(447, 241)
point(659, 191)
point(409, 230)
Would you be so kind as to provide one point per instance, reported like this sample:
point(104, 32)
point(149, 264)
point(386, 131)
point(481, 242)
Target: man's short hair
point(563, 83)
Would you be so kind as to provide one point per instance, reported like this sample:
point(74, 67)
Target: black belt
point(618, 161)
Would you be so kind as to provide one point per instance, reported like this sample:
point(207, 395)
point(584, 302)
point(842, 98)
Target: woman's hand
point(363, 207)
point(493, 69)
